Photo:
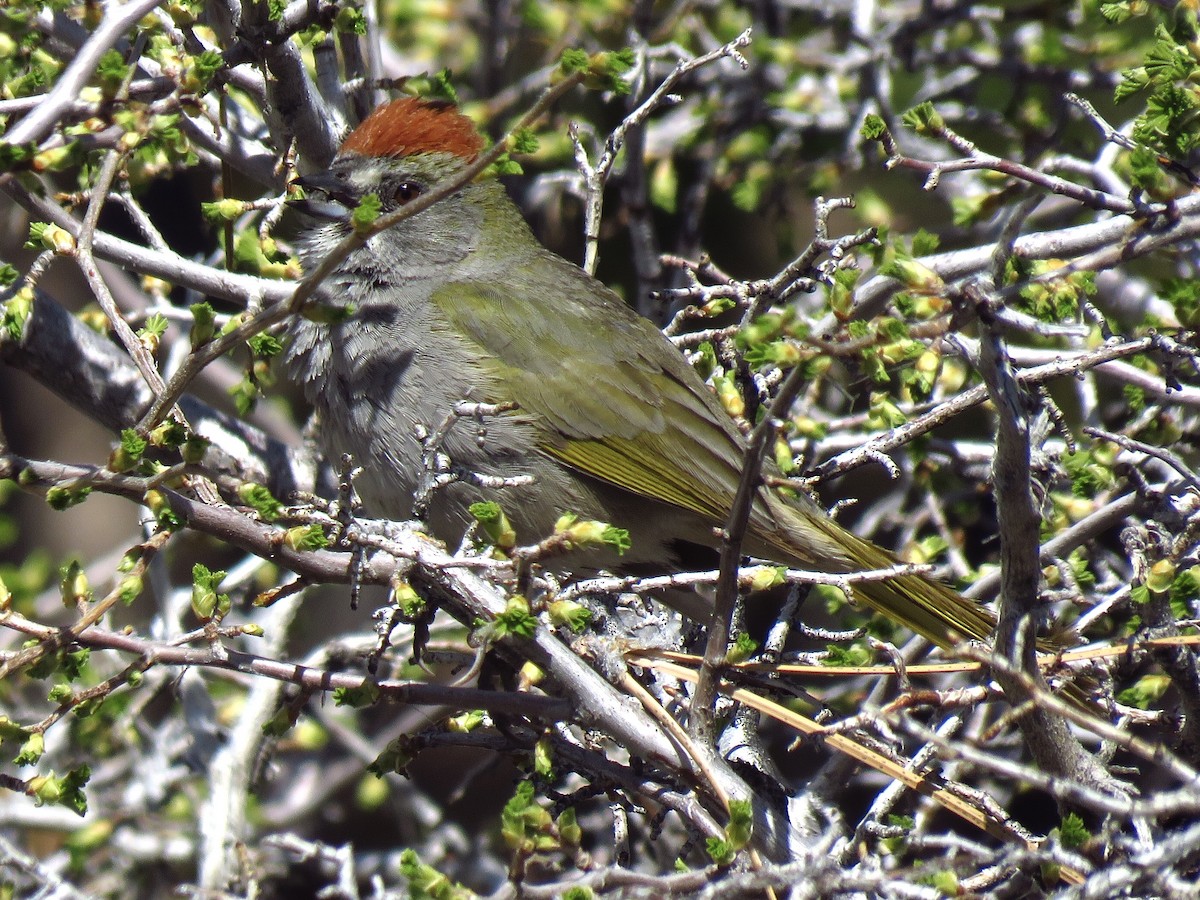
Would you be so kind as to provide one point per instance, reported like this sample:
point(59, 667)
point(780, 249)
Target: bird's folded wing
point(611, 398)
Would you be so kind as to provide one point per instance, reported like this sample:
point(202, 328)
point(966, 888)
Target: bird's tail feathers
point(811, 539)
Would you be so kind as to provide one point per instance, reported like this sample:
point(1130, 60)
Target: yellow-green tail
point(808, 538)
point(929, 608)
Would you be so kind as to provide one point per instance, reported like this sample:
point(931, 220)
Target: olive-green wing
point(612, 398)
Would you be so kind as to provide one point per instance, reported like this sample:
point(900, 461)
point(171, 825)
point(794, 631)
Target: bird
point(597, 414)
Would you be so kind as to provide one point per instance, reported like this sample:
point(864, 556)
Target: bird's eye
point(407, 191)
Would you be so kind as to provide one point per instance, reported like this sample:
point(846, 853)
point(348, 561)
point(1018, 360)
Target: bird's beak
point(326, 197)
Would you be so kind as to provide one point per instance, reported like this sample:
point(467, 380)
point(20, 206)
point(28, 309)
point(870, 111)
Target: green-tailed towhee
point(460, 303)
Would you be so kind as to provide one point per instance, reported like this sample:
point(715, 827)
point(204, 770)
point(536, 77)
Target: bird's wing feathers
point(613, 404)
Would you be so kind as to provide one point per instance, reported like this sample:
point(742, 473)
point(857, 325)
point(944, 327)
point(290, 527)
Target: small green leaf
point(616, 538)
point(395, 757)
point(207, 602)
point(129, 452)
point(839, 657)
point(913, 274)
point(65, 791)
point(719, 851)
point(74, 585)
point(191, 447)
point(245, 395)
point(227, 209)
point(1089, 474)
point(281, 723)
point(742, 649)
point(884, 413)
point(60, 498)
point(1073, 833)
point(350, 21)
point(573, 60)
point(1146, 692)
point(60, 693)
point(516, 618)
point(1183, 294)
point(326, 313)
point(495, 524)
point(16, 156)
point(568, 828)
point(130, 588)
point(111, 71)
point(543, 758)
point(763, 578)
point(365, 214)
point(265, 345)
point(873, 128)
point(1185, 590)
point(590, 533)
point(15, 312)
point(906, 825)
point(73, 662)
point(160, 507)
point(204, 67)
point(924, 119)
point(305, 537)
point(204, 319)
point(525, 826)
point(570, 614)
point(367, 694)
point(741, 824)
point(946, 882)
point(1160, 576)
point(924, 243)
point(466, 722)
point(427, 883)
point(156, 324)
point(432, 86)
point(258, 498)
point(412, 605)
point(505, 165)
point(32, 750)
point(524, 141)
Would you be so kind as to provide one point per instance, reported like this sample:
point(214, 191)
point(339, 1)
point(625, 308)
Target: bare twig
point(37, 124)
point(596, 176)
point(1045, 732)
